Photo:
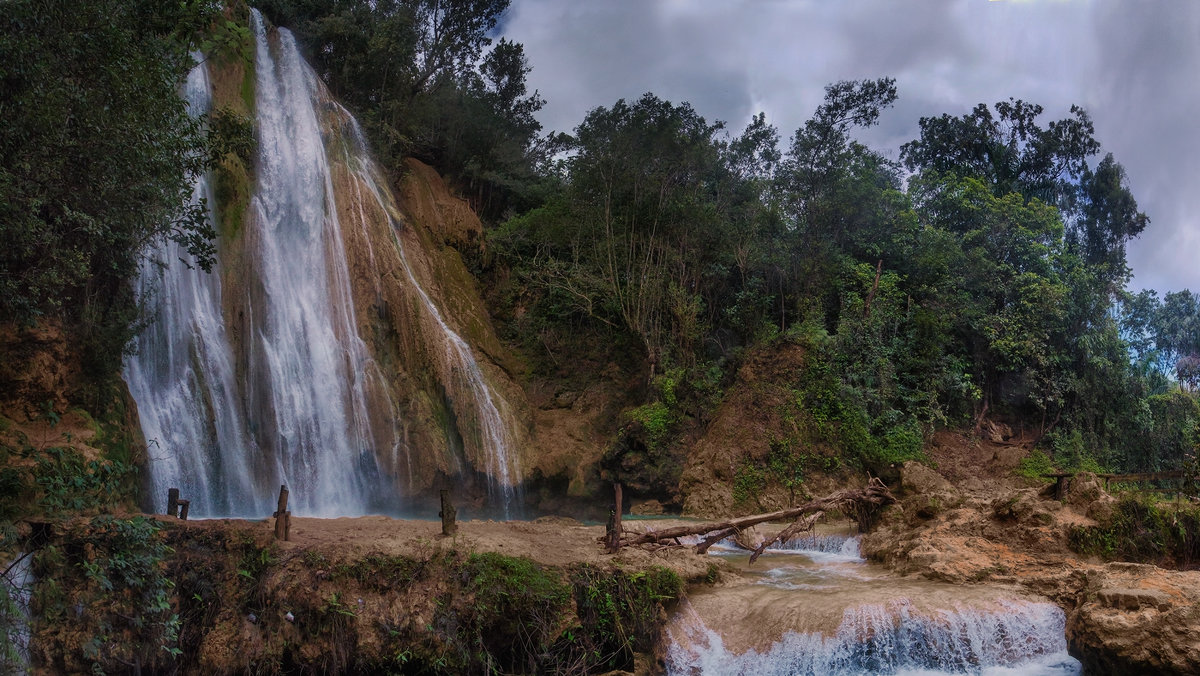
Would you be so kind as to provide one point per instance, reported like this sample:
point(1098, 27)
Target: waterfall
point(1016, 637)
point(182, 374)
point(269, 381)
point(458, 364)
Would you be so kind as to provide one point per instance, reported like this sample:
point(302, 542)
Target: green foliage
point(748, 483)
point(1034, 465)
point(1071, 454)
point(69, 485)
point(97, 153)
point(117, 574)
point(618, 612)
point(514, 613)
point(1142, 530)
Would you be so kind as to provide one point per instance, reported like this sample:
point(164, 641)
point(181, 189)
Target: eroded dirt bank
point(356, 595)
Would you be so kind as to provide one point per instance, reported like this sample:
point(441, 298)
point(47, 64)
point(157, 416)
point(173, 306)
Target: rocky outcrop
point(1122, 618)
point(1135, 618)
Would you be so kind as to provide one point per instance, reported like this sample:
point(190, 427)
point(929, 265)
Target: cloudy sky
point(1133, 64)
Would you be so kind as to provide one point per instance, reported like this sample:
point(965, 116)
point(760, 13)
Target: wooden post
point(183, 509)
point(614, 523)
point(282, 515)
point(172, 501)
point(448, 513)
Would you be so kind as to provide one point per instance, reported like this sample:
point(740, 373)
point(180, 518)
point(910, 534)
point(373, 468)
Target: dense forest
point(982, 276)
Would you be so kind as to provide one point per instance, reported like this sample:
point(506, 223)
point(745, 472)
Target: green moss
point(233, 190)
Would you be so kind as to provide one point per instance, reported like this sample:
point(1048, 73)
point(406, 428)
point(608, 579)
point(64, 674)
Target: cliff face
point(340, 346)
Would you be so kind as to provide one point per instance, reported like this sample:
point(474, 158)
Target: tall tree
point(96, 155)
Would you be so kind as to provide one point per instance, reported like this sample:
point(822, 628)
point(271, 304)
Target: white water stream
point(817, 608)
point(290, 394)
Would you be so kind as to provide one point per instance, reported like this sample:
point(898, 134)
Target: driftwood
point(283, 518)
point(863, 505)
point(800, 525)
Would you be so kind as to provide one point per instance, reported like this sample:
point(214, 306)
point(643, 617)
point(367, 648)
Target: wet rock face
point(1137, 619)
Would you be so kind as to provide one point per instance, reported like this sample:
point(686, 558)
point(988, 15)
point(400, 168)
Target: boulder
point(647, 508)
point(1138, 619)
point(917, 478)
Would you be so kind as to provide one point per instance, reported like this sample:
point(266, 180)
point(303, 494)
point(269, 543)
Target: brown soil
point(551, 541)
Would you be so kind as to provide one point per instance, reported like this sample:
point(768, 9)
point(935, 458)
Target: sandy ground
point(553, 541)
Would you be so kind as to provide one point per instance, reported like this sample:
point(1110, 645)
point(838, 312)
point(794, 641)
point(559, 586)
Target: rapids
point(816, 607)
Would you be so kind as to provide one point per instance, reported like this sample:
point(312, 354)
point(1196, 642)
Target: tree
point(97, 153)
point(642, 182)
point(1011, 152)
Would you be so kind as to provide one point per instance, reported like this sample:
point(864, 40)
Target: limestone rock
point(1139, 620)
point(1009, 457)
point(917, 478)
point(647, 508)
point(1025, 506)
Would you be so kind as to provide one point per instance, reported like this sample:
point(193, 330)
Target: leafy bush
point(1034, 465)
point(1141, 530)
point(117, 572)
point(68, 484)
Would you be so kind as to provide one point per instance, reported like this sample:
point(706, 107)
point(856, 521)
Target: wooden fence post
point(282, 515)
point(172, 501)
point(448, 513)
point(183, 509)
point(614, 522)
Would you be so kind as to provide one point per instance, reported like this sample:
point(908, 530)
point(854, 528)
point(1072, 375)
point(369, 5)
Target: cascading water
point(182, 375)
point(16, 591)
point(292, 394)
point(815, 607)
point(458, 364)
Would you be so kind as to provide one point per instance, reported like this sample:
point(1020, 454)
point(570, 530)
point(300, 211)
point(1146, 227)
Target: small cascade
point(824, 546)
point(16, 591)
point(1014, 637)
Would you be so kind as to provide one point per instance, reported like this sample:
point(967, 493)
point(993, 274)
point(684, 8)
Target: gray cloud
point(1134, 66)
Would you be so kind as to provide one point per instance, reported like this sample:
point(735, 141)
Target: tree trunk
point(860, 504)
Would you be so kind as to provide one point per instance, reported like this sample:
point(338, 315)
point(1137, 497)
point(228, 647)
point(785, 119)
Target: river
point(817, 607)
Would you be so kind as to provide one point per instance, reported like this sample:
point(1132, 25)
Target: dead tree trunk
point(283, 518)
point(449, 527)
point(613, 543)
point(863, 505)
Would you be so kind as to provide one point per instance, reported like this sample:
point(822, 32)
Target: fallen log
point(801, 525)
point(863, 505)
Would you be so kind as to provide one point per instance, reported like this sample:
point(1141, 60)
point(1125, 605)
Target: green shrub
point(117, 570)
point(68, 484)
point(1034, 465)
point(1141, 530)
